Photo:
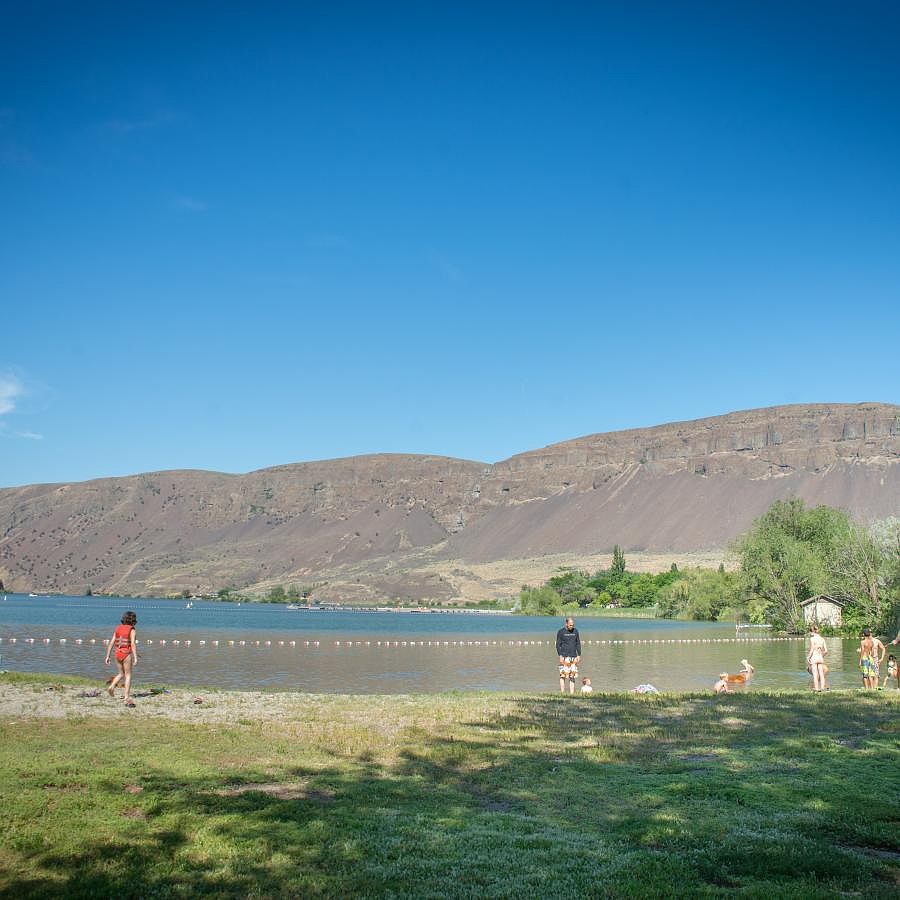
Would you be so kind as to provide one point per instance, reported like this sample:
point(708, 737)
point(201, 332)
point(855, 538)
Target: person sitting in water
point(586, 686)
point(742, 677)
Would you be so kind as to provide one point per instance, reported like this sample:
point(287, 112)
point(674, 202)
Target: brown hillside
point(419, 526)
point(689, 485)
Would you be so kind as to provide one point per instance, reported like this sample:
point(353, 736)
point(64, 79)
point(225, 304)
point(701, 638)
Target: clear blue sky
point(240, 235)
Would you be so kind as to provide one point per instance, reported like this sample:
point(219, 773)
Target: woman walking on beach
point(124, 640)
point(815, 658)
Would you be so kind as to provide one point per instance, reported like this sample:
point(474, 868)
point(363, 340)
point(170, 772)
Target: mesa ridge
point(431, 527)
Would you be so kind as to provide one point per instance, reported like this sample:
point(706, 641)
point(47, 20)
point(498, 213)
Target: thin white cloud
point(13, 152)
point(189, 204)
point(11, 388)
point(125, 125)
point(328, 242)
point(451, 272)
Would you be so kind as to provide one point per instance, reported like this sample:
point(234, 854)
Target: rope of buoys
point(384, 644)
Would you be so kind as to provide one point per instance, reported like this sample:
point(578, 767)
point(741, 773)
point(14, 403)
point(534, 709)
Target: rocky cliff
point(365, 524)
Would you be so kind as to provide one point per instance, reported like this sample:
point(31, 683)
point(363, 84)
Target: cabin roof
point(823, 598)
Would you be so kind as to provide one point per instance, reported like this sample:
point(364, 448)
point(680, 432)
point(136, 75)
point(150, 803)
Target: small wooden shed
point(823, 610)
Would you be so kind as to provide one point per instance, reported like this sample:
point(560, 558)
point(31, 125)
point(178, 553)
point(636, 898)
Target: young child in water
point(586, 686)
point(893, 671)
point(124, 640)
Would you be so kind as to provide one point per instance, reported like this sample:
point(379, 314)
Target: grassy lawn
point(469, 795)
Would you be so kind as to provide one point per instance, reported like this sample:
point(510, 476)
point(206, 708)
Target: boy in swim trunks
point(868, 661)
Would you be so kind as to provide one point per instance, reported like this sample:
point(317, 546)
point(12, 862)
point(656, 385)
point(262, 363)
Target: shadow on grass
point(607, 796)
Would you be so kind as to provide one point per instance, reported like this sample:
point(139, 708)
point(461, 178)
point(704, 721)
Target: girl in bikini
point(124, 640)
point(815, 658)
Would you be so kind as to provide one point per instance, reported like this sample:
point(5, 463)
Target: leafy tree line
point(612, 587)
point(789, 554)
point(792, 553)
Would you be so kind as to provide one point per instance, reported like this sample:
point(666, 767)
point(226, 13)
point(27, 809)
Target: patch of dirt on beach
point(350, 715)
point(21, 701)
point(281, 790)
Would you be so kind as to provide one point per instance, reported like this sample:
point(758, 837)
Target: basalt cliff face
point(389, 526)
point(687, 485)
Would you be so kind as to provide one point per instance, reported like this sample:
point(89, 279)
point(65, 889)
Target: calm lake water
point(253, 646)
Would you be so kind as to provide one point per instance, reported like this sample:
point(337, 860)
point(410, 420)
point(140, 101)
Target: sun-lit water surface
point(265, 646)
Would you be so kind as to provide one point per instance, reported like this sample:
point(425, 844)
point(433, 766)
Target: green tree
point(542, 601)
point(642, 590)
point(277, 594)
point(574, 587)
point(786, 557)
point(702, 594)
point(618, 561)
point(859, 570)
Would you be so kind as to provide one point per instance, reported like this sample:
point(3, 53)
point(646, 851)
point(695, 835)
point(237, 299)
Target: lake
point(253, 646)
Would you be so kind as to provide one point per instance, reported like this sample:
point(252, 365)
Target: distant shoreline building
point(823, 610)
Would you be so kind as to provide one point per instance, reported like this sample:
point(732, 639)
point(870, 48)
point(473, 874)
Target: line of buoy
point(235, 642)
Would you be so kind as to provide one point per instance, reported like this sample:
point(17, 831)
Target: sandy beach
point(63, 700)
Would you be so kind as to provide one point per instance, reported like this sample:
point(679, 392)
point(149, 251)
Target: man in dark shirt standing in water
point(568, 649)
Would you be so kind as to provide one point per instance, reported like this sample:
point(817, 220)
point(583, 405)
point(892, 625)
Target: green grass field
point(481, 795)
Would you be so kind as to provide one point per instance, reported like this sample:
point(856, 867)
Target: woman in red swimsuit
point(124, 640)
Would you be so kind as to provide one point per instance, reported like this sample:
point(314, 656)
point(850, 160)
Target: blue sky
point(235, 236)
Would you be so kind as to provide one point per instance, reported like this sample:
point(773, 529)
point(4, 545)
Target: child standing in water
point(892, 671)
point(124, 640)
